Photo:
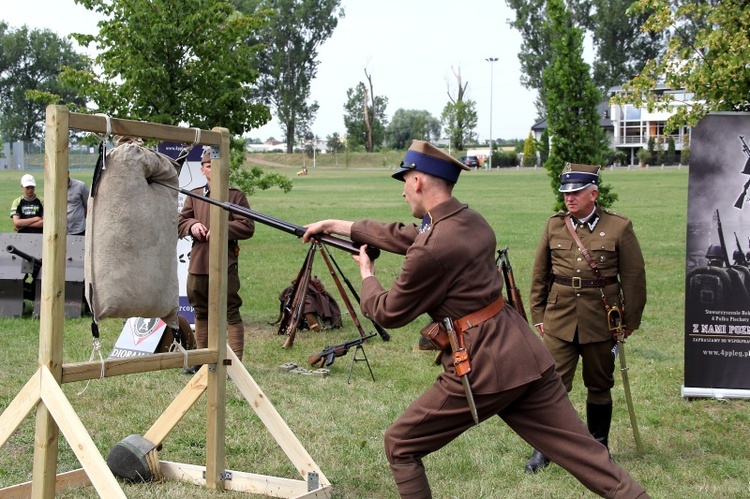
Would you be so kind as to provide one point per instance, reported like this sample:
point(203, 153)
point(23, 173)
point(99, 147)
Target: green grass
point(692, 448)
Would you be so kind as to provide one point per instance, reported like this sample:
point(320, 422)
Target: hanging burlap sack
point(131, 236)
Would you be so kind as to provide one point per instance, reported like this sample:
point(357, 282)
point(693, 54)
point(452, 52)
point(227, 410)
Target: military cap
point(424, 157)
point(576, 177)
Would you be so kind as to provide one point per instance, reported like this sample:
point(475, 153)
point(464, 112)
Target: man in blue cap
point(449, 272)
point(575, 282)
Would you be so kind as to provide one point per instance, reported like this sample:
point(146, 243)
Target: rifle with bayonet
point(740, 260)
point(746, 171)
point(292, 313)
point(512, 291)
point(276, 223)
point(722, 242)
point(328, 354)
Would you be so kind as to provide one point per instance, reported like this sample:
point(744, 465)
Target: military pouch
point(437, 335)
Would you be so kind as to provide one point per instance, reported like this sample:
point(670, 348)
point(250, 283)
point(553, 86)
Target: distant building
point(629, 128)
point(269, 145)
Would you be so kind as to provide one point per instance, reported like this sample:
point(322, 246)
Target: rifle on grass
point(382, 332)
point(514, 294)
point(329, 353)
point(282, 225)
point(292, 313)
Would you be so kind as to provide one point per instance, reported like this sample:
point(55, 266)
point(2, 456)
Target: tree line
point(236, 62)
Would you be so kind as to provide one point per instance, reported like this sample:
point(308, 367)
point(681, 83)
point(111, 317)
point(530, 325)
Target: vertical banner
point(190, 178)
point(717, 273)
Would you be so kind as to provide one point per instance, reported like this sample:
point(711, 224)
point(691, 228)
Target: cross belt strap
point(478, 317)
point(579, 282)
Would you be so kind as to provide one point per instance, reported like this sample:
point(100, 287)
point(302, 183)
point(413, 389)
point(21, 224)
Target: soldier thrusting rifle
point(497, 361)
point(575, 284)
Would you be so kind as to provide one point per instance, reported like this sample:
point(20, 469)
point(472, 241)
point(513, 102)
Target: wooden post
point(217, 318)
point(52, 311)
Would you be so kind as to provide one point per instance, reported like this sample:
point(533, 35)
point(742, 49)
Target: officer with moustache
point(575, 282)
point(449, 272)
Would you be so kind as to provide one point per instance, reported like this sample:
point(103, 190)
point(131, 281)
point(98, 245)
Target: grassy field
point(693, 448)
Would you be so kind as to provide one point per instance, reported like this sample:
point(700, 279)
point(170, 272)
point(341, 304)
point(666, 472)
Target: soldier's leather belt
point(580, 282)
point(478, 317)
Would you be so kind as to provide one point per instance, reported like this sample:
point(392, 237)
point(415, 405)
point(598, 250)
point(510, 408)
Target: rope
point(178, 346)
point(96, 348)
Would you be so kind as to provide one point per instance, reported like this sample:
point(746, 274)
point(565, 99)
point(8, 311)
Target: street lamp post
point(491, 60)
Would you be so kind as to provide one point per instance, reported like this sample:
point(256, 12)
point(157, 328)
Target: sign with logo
point(717, 272)
point(139, 336)
point(190, 178)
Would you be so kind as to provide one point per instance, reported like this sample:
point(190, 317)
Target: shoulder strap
point(584, 251)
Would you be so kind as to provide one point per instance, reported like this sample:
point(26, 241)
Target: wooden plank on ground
point(273, 421)
point(250, 483)
point(63, 481)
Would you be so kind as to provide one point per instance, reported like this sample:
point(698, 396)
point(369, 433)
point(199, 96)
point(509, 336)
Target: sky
point(409, 47)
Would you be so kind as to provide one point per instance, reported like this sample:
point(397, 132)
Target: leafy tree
point(671, 151)
point(651, 146)
point(173, 61)
point(543, 146)
point(536, 48)
point(30, 61)
point(572, 100)
point(459, 117)
point(529, 151)
point(409, 124)
point(706, 55)
point(622, 48)
point(359, 107)
point(288, 65)
point(334, 143)
point(178, 61)
point(254, 178)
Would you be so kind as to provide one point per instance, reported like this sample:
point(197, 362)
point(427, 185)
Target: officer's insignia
point(601, 234)
point(602, 258)
point(426, 224)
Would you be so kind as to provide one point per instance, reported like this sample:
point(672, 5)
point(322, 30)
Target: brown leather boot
point(236, 338)
point(201, 333)
point(411, 480)
point(201, 341)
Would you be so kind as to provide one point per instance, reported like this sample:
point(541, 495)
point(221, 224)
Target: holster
point(437, 335)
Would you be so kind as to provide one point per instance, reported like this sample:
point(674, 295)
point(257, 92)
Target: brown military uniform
point(449, 271)
point(578, 315)
point(238, 227)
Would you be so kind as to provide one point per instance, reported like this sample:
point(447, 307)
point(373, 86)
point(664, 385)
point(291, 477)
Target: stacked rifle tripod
point(292, 312)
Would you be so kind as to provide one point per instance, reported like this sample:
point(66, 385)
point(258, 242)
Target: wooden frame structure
point(43, 391)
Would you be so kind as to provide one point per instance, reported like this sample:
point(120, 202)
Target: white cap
point(28, 181)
